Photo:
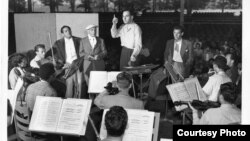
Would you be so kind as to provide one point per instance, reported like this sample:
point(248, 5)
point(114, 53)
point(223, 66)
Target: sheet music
point(112, 75)
point(191, 88)
point(72, 116)
point(97, 81)
point(139, 128)
point(45, 114)
point(178, 92)
point(194, 88)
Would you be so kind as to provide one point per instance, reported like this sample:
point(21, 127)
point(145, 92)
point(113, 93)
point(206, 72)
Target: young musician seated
point(122, 98)
point(116, 120)
point(19, 62)
point(227, 113)
point(42, 87)
point(212, 86)
point(40, 54)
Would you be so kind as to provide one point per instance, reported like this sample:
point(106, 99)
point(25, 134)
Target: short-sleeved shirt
point(41, 88)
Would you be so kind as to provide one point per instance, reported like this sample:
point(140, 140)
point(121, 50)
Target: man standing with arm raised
point(131, 38)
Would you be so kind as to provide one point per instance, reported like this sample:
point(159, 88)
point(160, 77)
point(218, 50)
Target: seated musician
point(227, 113)
point(42, 87)
point(116, 120)
point(40, 54)
point(19, 62)
point(122, 98)
point(212, 86)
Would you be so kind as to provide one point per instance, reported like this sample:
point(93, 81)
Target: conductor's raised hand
point(114, 20)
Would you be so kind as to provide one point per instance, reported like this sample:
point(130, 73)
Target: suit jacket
point(186, 51)
point(86, 50)
point(59, 49)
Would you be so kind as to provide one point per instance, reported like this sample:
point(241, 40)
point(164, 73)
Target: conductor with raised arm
point(131, 38)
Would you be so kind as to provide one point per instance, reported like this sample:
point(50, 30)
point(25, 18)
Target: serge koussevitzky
point(213, 134)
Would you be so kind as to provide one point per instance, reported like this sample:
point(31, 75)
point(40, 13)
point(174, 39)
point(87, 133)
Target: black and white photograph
point(123, 70)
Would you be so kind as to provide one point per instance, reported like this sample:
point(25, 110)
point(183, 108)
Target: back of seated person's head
point(116, 121)
point(124, 80)
point(228, 91)
point(46, 71)
point(221, 62)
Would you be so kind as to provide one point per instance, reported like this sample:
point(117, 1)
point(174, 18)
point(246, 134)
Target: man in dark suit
point(179, 52)
point(93, 50)
point(66, 51)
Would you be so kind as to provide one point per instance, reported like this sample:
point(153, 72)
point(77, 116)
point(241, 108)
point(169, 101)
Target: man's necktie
point(176, 48)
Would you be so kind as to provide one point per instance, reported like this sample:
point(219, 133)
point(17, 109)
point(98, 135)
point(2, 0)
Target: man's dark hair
point(65, 26)
point(228, 91)
point(17, 59)
point(39, 46)
point(116, 121)
point(46, 70)
point(234, 57)
point(131, 12)
point(178, 27)
point(221, 62)
point(124, 80)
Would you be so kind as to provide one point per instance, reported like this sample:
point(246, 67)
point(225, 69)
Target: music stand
point(140, 70)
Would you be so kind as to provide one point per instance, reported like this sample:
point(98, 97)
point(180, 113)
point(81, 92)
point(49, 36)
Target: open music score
point(99, 79)
point(186, 91)
point(60, 116)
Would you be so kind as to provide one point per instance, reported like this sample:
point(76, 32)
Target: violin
point(199, 105)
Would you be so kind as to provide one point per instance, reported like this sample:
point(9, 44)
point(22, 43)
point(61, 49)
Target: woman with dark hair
point(19, 62)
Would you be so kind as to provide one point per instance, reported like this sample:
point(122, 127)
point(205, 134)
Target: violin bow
point(52, 52)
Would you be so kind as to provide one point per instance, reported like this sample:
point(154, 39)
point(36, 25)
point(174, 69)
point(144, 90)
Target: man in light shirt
point(40, 54)
point(93, 50)
point(131, 38)
point(179, 52)
point(66, 50)
point(212, 86)
point(227, 113)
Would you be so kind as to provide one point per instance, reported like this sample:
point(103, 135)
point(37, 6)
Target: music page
point(97, 81)
point(178, 92)
point(45, 114)
point(112, 76)
point(72, 117)
point(194, 89)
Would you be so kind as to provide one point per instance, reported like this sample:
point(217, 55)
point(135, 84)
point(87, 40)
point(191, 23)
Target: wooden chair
point(22, 120)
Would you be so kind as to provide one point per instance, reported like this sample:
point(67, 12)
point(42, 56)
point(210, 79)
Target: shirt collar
point(37, 58)
point(221, 72)
point(179, 41)
point(67, 40)
point(91, 37)
point(227, 105)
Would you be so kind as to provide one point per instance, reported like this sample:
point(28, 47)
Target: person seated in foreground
point(212, 86)
point(19, 62)
point(42, 87)
point(104, 100)
point(116, 120)
point(227, 113)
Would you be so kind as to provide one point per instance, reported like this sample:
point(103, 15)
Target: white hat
point(90, 26)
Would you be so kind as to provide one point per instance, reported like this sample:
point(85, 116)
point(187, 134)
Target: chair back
point(22, 119)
